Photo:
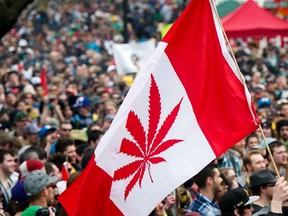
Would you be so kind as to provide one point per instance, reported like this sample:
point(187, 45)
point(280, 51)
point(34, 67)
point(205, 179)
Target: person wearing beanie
point(19, 200)
point(29, 166)
point(282, 131)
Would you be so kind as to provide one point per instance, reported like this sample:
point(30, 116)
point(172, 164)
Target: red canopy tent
point(251, 20)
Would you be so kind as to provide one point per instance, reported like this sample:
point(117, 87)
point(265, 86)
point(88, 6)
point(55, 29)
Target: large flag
point(131, 57)
point(186, 107)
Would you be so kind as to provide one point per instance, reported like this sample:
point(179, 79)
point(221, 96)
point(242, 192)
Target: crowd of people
point(50, 129)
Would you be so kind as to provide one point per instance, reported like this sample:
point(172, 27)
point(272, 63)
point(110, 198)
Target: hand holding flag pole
point(243, 81)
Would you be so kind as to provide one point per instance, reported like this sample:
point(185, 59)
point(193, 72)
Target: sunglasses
point(52, 186)
point(65, 129)
point(24, 120)
point(249, 206)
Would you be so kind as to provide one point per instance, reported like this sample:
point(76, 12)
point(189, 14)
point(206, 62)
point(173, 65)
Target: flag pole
point(243, 81)
point(269, 151)
point(227, 41)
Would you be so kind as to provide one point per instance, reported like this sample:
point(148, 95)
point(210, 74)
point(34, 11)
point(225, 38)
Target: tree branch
point(10, 10)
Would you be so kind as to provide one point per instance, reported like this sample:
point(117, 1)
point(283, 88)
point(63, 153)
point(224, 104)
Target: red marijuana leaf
point(146, 148)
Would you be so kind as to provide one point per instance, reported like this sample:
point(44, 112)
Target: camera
point(44, 211)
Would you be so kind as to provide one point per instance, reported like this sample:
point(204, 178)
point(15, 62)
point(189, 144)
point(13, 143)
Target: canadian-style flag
point(186, 107)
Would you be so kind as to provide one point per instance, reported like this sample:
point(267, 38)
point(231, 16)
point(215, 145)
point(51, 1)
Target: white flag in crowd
point(131, 57)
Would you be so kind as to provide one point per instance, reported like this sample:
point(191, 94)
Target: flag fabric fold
point(186, 107)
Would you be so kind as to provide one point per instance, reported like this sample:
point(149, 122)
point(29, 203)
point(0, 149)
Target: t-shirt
point(256, 208)
point(30, 211)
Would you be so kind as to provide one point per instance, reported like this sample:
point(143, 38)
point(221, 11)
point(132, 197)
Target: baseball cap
point(20, 116)
point(36, 181)
point(235, 199)
point(45, 129)
point(262, 144)
point(260, 86)
point(266, 124)
point(111, 68)
point(31, 128)
point(11, 49)
point(264, 102)
point(128, 80)
point(22, 43)
point(35, 80)
point(77, 134)
point(109, 117)
point(81, 102)
point(71, 90)
point(18, 193)
point(29, 166)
